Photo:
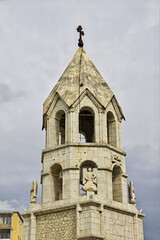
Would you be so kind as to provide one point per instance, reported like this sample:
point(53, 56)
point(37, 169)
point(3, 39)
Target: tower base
point(88, 220)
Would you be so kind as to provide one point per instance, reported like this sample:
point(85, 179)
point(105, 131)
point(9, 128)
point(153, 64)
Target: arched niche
point(60, 127)
point(57, 179)
point(111, 129)
point(85, 166)
point(117, 183)
point(86, 124)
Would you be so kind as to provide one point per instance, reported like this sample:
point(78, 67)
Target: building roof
point(6, 212)
point(80, 74)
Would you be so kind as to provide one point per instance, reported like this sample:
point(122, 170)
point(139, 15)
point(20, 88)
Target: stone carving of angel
point(89, 180)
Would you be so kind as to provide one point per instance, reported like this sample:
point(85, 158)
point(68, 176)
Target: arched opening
point(86, 124)
point(88, 175)
point(60, 127)
point(57, 177)
point(117, 183)
point(111, 130)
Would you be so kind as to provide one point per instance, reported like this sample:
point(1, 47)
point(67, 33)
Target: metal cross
point(81, 33)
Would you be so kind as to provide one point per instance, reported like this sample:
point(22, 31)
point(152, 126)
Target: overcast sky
point(38, 39)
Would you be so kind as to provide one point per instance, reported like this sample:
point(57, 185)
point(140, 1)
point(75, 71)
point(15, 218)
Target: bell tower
point(83, 177)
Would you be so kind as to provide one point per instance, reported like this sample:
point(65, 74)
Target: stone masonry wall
point(120, 226)
point(58, 225)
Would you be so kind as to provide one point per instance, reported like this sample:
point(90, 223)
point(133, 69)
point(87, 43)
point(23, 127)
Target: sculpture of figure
point(132, 196)
point(90, 183)
point(33, 192)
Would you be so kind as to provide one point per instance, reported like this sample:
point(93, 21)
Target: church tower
point(83, 177)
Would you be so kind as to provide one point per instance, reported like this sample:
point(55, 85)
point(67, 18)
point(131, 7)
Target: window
point(57, 176)
point(5, 234)
point(117, 184)
point(6, 220)
point(86, 125)
point(111, 130)
point(60, 127)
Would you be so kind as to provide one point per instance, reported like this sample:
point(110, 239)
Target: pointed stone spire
point(81, 74)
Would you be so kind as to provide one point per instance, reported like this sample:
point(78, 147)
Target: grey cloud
point(143, 169)
point(120, 39)
point(7, 95)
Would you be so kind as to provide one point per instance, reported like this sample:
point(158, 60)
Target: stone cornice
point(105, 169)
point(124, 175)
point(68, 145)
point(56, 209)
point(90, 238)
point(122, 208)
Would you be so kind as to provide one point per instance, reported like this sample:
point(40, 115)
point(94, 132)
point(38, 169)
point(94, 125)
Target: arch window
point(88, 168)
point(86, 125)
point(60, 127)
point(57, 178)
point(117, 184)
point(111, 130)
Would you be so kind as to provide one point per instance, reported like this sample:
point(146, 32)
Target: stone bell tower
point(83, 177)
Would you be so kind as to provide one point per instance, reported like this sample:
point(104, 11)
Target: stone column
point(104, 183)
point(71, 185)
point(96, 128)
point(33, 227)
point(102, 135)
point(135, 227)
point(73, 127)
point(124, 188)
point(78, 213)
point(26, 227)
point(46, 189)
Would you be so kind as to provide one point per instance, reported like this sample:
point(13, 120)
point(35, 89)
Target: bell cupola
point(82, 119)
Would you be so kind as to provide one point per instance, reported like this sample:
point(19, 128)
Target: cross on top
point(81, 33)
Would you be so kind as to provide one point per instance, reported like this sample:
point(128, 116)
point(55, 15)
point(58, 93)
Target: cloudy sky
point(38, 39)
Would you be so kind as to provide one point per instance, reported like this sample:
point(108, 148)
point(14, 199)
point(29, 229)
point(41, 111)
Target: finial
point(81, 33)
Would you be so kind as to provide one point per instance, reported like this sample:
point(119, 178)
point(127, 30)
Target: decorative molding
point(71, 168)
point(44, 174)
point(124, 175)
point(91, 237)
point(105, 169)
point(123, 211)
point(55, 209)
point(94, 100)
point(67, 145)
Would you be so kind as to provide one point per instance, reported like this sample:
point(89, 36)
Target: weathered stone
point(84, 180)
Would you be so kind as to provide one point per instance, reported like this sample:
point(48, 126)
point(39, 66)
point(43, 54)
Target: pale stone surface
point(33, 192)
point(84, 184)
point(76, 79)
point(89, 182)
point(59, 225)
point(132, 196)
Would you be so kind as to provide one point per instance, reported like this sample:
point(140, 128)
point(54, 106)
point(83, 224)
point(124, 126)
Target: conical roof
point(80, 74)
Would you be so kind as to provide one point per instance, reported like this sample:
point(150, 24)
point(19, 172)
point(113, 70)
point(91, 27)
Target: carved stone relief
point(89, 180)
point(132, 196)
point(33, 192)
